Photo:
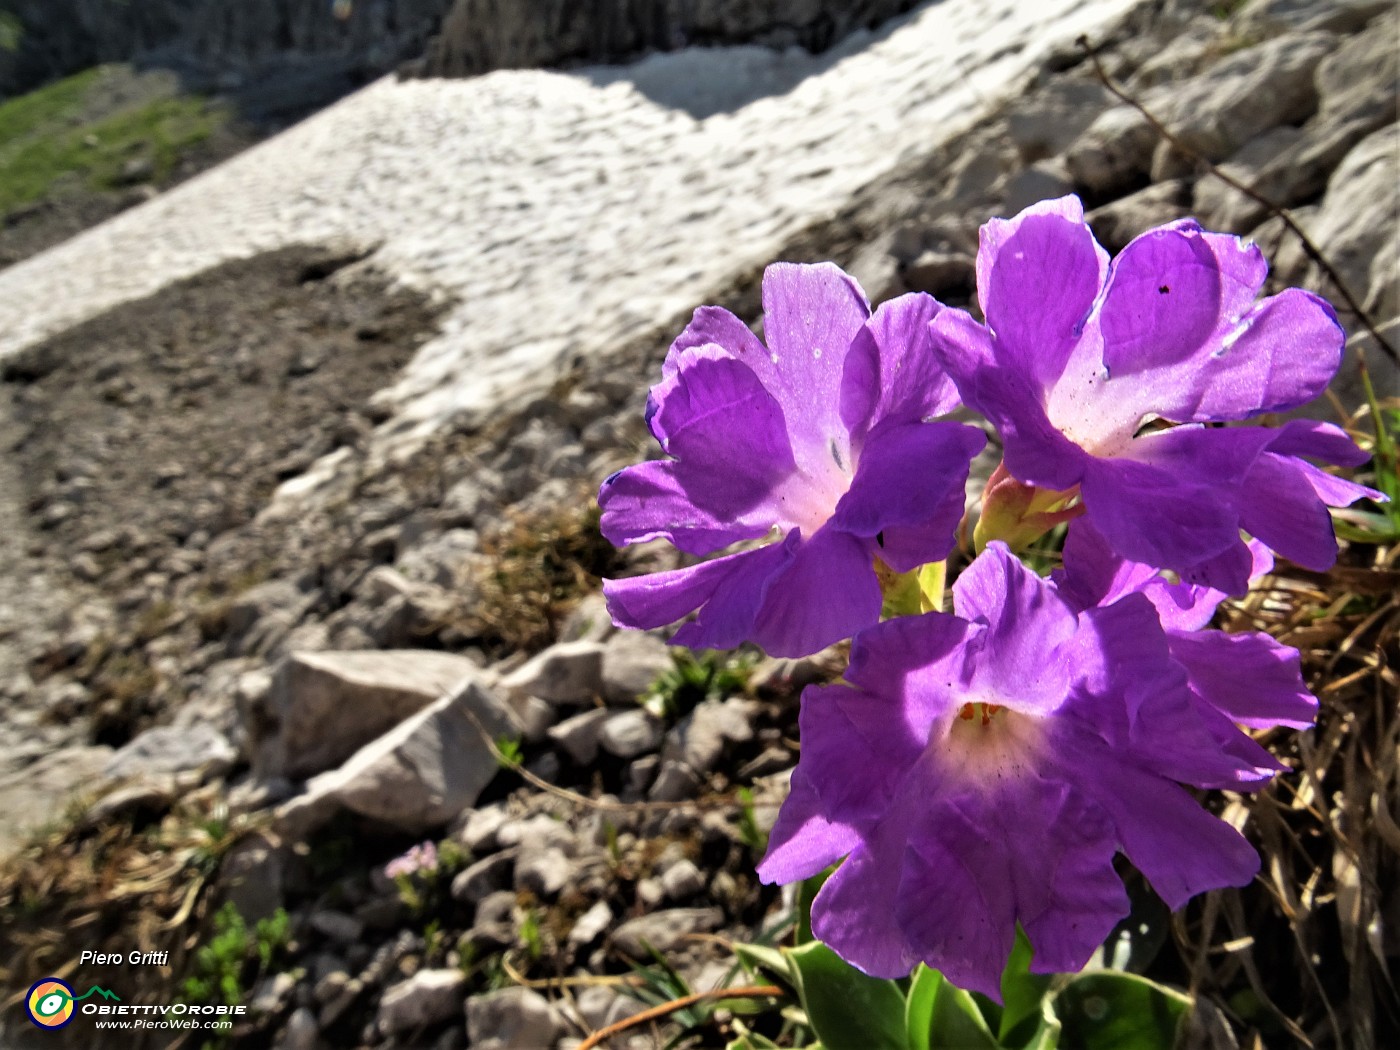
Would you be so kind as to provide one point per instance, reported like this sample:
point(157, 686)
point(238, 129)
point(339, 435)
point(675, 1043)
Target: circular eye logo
point(50, 1003)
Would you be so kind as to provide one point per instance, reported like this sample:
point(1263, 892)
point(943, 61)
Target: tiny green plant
point(695, 678)
point(235, 957)
point(508, 751)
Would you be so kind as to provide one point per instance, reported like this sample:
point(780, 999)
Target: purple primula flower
point(1248, 677)
point(1079, 354)
point(982, 769)
point(820, 436)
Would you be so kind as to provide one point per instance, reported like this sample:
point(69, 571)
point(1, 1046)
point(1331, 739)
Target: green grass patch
point(70, 129)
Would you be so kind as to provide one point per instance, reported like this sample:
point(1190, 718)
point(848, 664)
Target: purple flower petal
point(957, 899)
point(716, 326)
point(854, 765)
point(918, 658)
point(1071, 901)
point(1038, 275)
point(1036, 452)
point(1170, 292)
point(826, 593)
point(911, 475)
point(1027, 625)
point(649, 501)
point(1306, 437)
point(869, 938)
point(728, 590)
point(803, 840)
point(891, 373)
point(1181, 848)
point(1187, 523)
point(811, 314)
point(1280, 355)
point(715, 416)
point(1095, 574)
point(1290, 519)
point(1250, 677)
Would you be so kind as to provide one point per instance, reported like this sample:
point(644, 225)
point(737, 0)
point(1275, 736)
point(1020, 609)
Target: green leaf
point(957, 1021)
point(767, 963)
point(1022, 994)
point(807, 891)
point(751, 1041)
point(918, 1008)
point(1108, 1010)
point(848, 1009)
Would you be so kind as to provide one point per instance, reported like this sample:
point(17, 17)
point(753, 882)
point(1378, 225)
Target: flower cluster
point(981, 769)
point(419, 859)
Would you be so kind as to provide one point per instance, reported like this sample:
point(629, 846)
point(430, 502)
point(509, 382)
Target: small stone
point(331, 987)
point(681, 880)
point(578, 736)
point(300, 1032)
point(512, 1019)
point(86, 567)
point(272, 993)
point(168, 749)
point(675, 783)
point(630, 733)
point(536, 716)
point(544, 872)
point(650, 893)
point(488, 875)
point(426, 998)
point(588, 622)
point(536, 832)
point(567, 673)
point(632, 662)
point(642, 772)
point(591, 925)
point(336, 925)
point(480, 827)
point(664, 930)
point(494, 927)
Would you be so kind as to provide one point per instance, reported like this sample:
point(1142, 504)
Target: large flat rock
point(324, 706)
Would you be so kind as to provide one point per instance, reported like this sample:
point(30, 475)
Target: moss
point(70, 130)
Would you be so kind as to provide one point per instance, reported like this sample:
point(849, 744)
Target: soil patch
point(169, 421)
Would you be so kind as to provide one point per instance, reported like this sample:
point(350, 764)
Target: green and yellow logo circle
point(50, 1003)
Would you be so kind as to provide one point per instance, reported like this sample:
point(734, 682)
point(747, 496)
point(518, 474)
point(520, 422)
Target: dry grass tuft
point(1304, 956)
point(541, 565)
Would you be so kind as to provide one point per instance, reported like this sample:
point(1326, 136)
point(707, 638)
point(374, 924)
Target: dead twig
point(748, 991)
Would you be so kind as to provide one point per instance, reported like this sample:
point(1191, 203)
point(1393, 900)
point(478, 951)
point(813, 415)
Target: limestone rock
point(200, 749)
point(627, 734)
point(426, 998)
point(1271, 17)
point(566, 673)
point(664, 930)
point(1050, 120)
point(512, 1019)
point(419, 775)
point(578, 736)
point(34, 795)
point(301, 1032)
point(1239, 98)
point(323, 707)
point(490, 874)
point(1116, 224)
point(1114, 153)
point(632, 661)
